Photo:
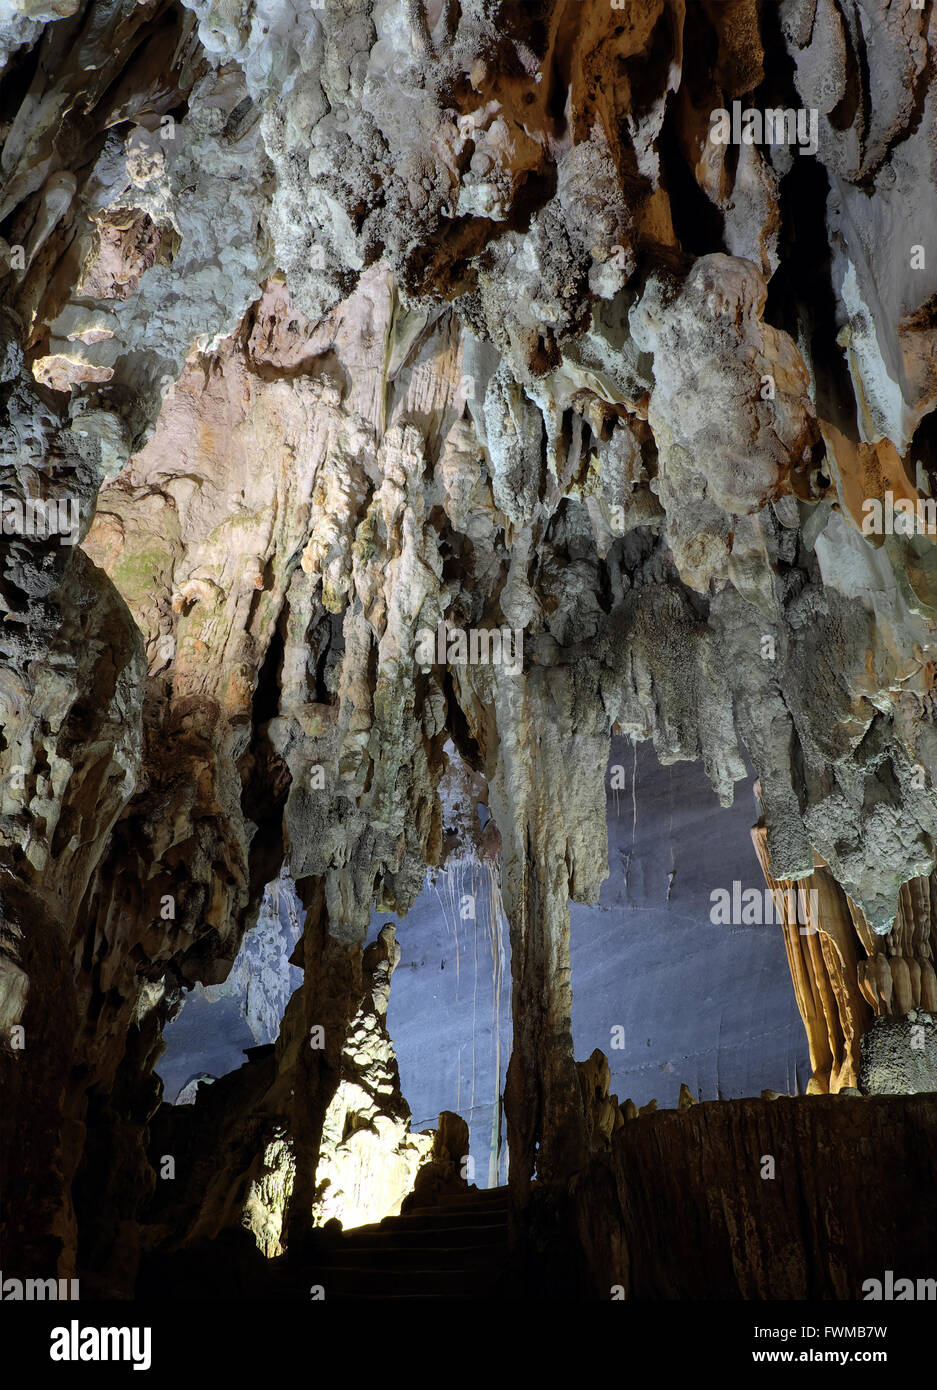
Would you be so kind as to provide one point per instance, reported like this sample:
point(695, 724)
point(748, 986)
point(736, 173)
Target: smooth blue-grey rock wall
point(450, 1008)
point(709, 1005)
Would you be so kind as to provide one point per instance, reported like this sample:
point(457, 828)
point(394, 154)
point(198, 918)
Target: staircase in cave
point(455, 1249)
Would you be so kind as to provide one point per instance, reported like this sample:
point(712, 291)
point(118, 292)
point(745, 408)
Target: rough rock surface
point(899, 1055)
point(697, 1184)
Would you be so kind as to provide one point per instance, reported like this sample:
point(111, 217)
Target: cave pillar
point(331, 993)
point(543, 1102)
point(546, 792)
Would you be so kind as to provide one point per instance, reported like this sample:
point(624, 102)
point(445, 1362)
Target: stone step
point(440, 1257)
point(453, 1237)
point(452, 1213)
point(475, 1196)
point(413, 1283)
point(501, 1294)
point(457, 1248)
point(483, 1202)
point(440, 1220)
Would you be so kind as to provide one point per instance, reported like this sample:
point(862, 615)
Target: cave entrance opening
point(216, 1024)
point(450, 1007)
point(668, 991)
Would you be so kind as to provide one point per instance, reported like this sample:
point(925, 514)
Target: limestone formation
point(899, 1055)
point(847, 978)
point(368, 1159)
point(333, 331)
point(444, 1164)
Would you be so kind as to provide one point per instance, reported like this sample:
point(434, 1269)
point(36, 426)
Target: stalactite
point(351, 338)
point(844, 972)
